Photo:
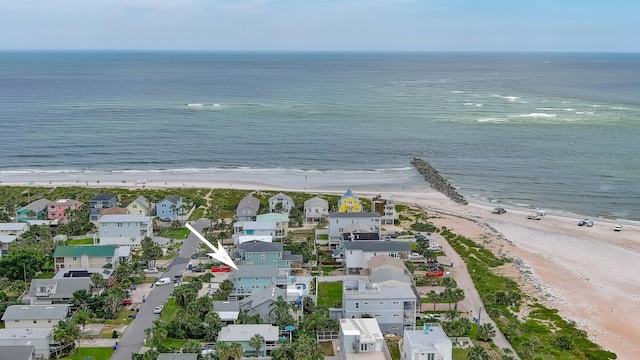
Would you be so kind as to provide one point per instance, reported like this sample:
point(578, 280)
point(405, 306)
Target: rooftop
point(25, 333)
point(373, 290)
point(250, 202)
point(36, 206)
point(174, 199)
point(259, 271)
point(88, 250)
point(8, 238)
point(114, 211)
point(244, 333)
point(369, 246)
point(260, 246)
point(364, 214)
point(36, 312)
point(316, 201)
point(367, 329)
point(102, 197)
point(124, 218)
point(17, 352)
point(177, 356)
point(12, 226)
point(431, 338)
point(273, 217)
point(386, 261)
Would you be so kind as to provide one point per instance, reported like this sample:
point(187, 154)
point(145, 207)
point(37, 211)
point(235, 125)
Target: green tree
point(236, 351)
point(256, 342)
point(81, 299)
point(21, 263)
point(97, 280)
point(486, 332)
point(457, 295)
point(562, 341)
point(223, 351)
point(478, 353)
point(212, 325)
point(184, 295)
point(82, 318)
point(306, 348)
point(192, 347)
point(66, 334)
point(280, 313)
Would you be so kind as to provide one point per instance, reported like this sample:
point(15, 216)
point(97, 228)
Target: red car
point(221, 269)
point(435, 273)
point(127, 302)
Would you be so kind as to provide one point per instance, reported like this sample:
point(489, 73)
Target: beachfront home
point(260, 228)
point(242, 334)
point(358, 253)
point(56, 291)
point(361, 339)
point(349, 203)
point(316, 209)
point(59, 209)
point(394, 307)
point(428, 342)
point(247, 208)
point(36, 210)
point(268, 253)
point(85, 257)
point(385, 205)
point(140, 206)
point(247, 238)
point(38, 338)
point(35, 316)
point(13, 229)
point(281, 203)
point(100, 202)
point(169, 208)
point(5, 241)
point(18, 352)
point(281, 220)
point(341, 223)
point(126, 230)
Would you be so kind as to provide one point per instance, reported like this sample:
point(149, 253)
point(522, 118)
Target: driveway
point(133, 337)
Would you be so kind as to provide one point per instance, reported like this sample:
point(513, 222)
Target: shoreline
point(591, 275)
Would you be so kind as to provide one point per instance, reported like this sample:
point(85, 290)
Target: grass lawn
point(174, 343)
point(178, 234)
point(460, 354)
point(97, 353)
point(329, 293)
point(45, 275)
point(169, 309)
point(87, 241)
point(394, 349)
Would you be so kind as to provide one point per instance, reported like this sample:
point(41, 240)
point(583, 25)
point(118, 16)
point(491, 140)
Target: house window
point(17, 321)
point(257, 278)
point(396, 315)
point(357, 305)
point(249, 255)
point(377, 315)
point(240, 279)
point(431, 356)
point(35, 321)
point(396, 302)
point(108, 258)
point(381, 302)
point(366, 303)
point(119, 224)
point(395, 327)
point(74, 258)
point(49, 321)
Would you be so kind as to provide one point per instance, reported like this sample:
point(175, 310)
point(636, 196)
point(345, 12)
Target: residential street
point(133, 338)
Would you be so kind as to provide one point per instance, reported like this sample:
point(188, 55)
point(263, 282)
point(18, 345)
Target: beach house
point(85, 257)
point(385, 205)
point(36, 210)
point(242, 334)
point(140, 205)
point(35, 316)
point(259, 228)
point(126, 230)
point(281, 223)
point(59, 209)
point(358, 253)
point(341, 223)
point(169, 208)
point(247, 208)
point(349, 203)
point(100, 202)
point(268, 253)
point(56, 291)
point(428, 342)
point(250, 279)
point(316, 209)
point(281, 203)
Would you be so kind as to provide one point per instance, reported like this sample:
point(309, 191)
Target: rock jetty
point(437, 182)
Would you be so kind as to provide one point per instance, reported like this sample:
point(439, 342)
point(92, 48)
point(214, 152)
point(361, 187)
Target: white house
point(126, 230)
point(13, 228)
point(341, 222)
point(35, 316)
point(39, 338)
point(361, 339)
point(260, 228)
point(316, 209)
point(428, 343)
point(358, 253)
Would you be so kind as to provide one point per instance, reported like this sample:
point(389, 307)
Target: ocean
point(558, 131)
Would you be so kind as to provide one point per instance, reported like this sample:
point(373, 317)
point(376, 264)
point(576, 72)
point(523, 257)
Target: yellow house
point(140, 206)
point(349, 203)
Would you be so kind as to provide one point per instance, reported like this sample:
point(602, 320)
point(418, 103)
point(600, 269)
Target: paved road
point(133, 337)
point(472, 299)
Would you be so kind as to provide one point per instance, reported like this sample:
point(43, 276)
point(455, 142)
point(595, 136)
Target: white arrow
point(218, 253)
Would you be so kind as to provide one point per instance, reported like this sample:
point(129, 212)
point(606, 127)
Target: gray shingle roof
point(260, 246)
point(36, 312)
point(250, 202)
point(63, 288)
point(102, 197)
point(226, 305)
point(37, 205)
point(256, 271)
point(174, 199)
point(16, 352)
point(384, 275)
point(270, 293)
point(369, 246)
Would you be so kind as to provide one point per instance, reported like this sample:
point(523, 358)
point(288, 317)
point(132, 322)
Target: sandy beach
point(590, 274)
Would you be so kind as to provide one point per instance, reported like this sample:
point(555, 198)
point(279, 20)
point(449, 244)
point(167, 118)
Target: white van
point(163, 281)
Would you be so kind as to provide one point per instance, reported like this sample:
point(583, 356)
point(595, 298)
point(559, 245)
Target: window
point(381, 302)
point(17, 321)
point(249, 255)
point(396, 302)
point(357, 305)
point(35, 321)
point(377, 315)
point(74, 258)
point(431, 356)
point(395, 327)
point(366, 303)
point(396, 315)
point(49, 321)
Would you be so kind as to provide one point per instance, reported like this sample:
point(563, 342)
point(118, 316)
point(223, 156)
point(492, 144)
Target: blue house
point(249, 279)
point(169, 208)
point(100, 202)
point(36, 210)
point(268, 253)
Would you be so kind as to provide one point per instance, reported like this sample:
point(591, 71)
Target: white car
point(158, 309)
point(533, 217)
point(416, 256)
point(151, 271)
point(617, 228)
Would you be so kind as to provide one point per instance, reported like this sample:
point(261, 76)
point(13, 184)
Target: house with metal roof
point(35, 316)
point(36, 210)
point(248, 208)
point(56, 291)
point(426, 343)
point(281, 203)
point(316, 209)
point(84, 257)
point(39, 338)
point(25, 352)
point(12, 228)
point(242, 334)
point(5, 240)
point(228, 311)
point(358, 253)
point(126, 230)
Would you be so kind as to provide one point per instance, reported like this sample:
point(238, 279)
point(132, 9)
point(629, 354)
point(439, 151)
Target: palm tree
point(256, 342)
point(192, 346)
point(457, 295)
point(223, 351)
point(486, 332)
point(236, 351)
point(527, 349)
point(478, 353)
point(82, 317)
point(66, 334)
point(97, 280)
point(279, 312)
point(507, 354)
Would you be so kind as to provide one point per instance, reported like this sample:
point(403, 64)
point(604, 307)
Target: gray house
point(281, 203)
point(56, 291)
point(26, 352)
point(260, 302)
point(392, 306)
point(250, 279)
point(316, 209)
point(358, 253)
point(35, 316)
point(248, 208)
point(128, 230)
point(39, 338)
point(346, 222)
point(242, 334)
point(100, 202)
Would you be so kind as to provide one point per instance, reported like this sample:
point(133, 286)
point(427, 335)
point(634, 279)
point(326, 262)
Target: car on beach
point(587, 222)
point(533, 217)
point(617, 228)
point(499, 210)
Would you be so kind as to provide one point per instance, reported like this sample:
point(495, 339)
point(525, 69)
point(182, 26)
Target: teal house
point(36, 210)
point(268, 253)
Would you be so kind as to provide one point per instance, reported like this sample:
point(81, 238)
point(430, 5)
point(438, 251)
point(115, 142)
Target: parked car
point(434, 273)
point(194, 256)
point(618, 228)
point(127, 302)
point(199, 268)
point(222, 268)
point(208, 349)
point(163, 281)
point(150, 271)
point(158, 309)
point(584, 222)
point(533, 217)
point(415, 256)
point(499, 210)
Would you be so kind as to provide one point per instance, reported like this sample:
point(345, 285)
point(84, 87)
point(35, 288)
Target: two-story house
point(316, 209)
point(126, 230)
point(169, 208)
point(281, 203)
point(84, 257)
point(35, 316)
point(242, 334)
point(56, 291)
point(268, 253)
point(250, 279)
point(281, 220)
point(248, 208)
point(100, 202)
point(259, 228)
point(36, 210)
point(258, 303)
point(13, 229)
point(385, 205)
point(341, 223)
point(140, 206)
point(40, 339)
point(349, 202)
point(358, 253)
point(392, 306)
point(59, 209)
point(361, 339)
point(426, 343)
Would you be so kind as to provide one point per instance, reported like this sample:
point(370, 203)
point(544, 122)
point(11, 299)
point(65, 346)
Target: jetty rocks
point(437, 182)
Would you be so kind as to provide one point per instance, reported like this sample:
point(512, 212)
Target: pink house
point(57, 209)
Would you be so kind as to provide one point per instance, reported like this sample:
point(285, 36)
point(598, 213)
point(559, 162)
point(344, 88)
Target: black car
point(194, 256)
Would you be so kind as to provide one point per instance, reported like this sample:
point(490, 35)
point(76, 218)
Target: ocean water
point(554, 131)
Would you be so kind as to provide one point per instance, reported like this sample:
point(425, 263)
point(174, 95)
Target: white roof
point(124, 218)
point(12, 226)
point(25, 333)
point(367, 329)
point(7, 238)
point(262, 238)
point(239, 333)
point(38, 222)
